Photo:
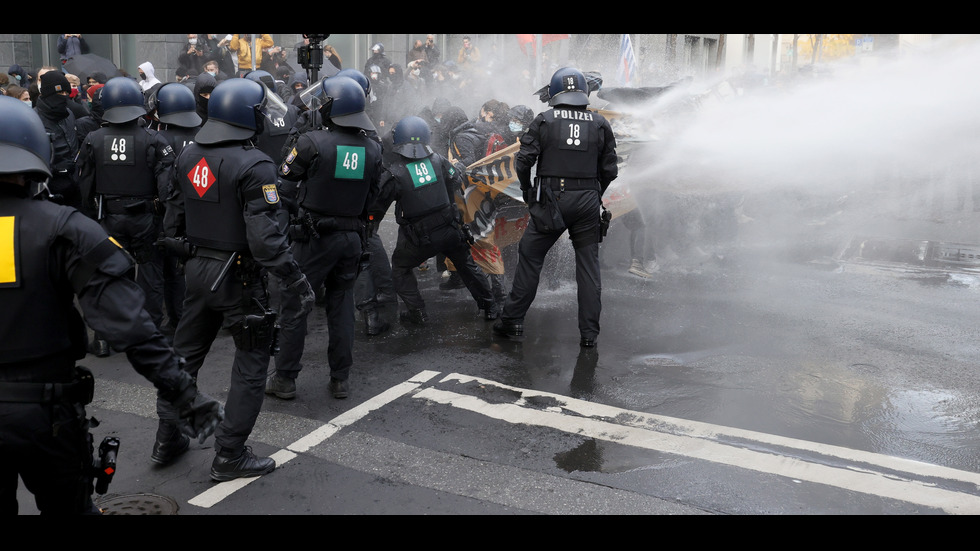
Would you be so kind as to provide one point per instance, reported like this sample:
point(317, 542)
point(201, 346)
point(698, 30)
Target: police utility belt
point(424, 225)
point(312, 225)
point(128, 205)
point(80, 391)
point(558, 183)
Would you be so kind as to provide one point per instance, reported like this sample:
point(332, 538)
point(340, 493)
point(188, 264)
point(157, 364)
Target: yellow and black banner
point(493, 206)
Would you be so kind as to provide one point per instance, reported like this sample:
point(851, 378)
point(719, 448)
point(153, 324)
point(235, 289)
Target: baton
point(224, 271)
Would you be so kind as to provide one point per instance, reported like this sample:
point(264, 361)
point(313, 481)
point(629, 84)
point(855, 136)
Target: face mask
point(192, 41)
point(416, 72)
point(514, 126)
point(214, 73)
point(27, 101)
point(17, 77)
point(57, 101)
point(142, 76)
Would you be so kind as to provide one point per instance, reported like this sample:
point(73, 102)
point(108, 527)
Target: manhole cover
point(136, 504)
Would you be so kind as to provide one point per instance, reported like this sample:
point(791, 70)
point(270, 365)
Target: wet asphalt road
point(745, 380)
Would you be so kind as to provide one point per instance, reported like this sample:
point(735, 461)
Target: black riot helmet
point(411, 138)
point(122, 100)
point(568, 87)
point(262, 77)
point(342, 101)
point(358, 76)
point(24, 143)
point(176, 105)
point(234, 112)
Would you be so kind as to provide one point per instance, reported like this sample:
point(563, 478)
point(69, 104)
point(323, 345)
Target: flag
point(626, 73)
point(549, 38)
point(523, 40)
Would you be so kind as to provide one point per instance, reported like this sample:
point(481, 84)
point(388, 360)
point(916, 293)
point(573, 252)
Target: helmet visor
point(312, 96)
point(273, 108)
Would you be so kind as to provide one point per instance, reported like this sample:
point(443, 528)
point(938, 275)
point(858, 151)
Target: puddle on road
point(587, 457)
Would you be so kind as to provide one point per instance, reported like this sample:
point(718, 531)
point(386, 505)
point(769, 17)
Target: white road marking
point(875, 474)
point(214, 495)
point(698, 440)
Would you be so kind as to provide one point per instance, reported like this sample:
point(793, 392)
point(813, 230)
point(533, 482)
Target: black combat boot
point(225, 467)
point(454, 282)
point(375, 325)
point(511, 329)
point(491, 310)
point(415, 315)
point(386, 296)
point(170, 443)
point(497, 284)
point(339, 388)
point(99, 347)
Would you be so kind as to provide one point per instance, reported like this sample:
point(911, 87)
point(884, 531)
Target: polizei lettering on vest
point(575, 115)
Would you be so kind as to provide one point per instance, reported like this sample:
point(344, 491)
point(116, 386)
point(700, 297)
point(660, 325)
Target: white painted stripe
point(705, 430)
point(866, 481)
point(222, 490)
point(358, 412)
point(215, 494)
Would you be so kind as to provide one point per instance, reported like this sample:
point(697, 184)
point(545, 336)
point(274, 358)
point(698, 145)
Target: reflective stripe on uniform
point(8, 260)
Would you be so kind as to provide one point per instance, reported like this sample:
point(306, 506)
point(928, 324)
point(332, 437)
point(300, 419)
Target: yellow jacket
point(244, 49)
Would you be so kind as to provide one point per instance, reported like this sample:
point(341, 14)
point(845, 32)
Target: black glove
point(199, 415)
point(527, 196)
point(301, 287)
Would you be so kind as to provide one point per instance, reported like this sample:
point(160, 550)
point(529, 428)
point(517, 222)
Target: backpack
point(495, 143)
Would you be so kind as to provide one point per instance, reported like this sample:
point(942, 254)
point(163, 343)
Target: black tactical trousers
point(376, 279)
point(51, 465)
point(580, 210)
point(136, 233)
point(205, 314)
point(47, 445)
point(447, 240)
point(331, 260)
point(173, 288)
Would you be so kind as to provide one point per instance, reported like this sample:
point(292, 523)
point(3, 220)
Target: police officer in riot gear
point(423, 184)
point(222, 213)
point(373, 287)
point(274, 134)
point(50, 256)
point(575, 153)
point(339, 167)
point(176, 115)
point(175, 111)
point(124, 171)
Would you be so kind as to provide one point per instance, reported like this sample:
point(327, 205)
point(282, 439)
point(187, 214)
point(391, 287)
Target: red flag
point(549, 38)
point(523, 40)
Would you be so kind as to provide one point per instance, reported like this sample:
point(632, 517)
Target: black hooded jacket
point(467, 141)
point(59, 122)
point(205, 84)
point(93, 120)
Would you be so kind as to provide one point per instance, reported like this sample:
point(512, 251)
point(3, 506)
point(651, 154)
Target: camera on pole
point(310, 56)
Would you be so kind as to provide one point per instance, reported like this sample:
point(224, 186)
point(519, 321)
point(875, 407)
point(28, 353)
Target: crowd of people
point(242, 198)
